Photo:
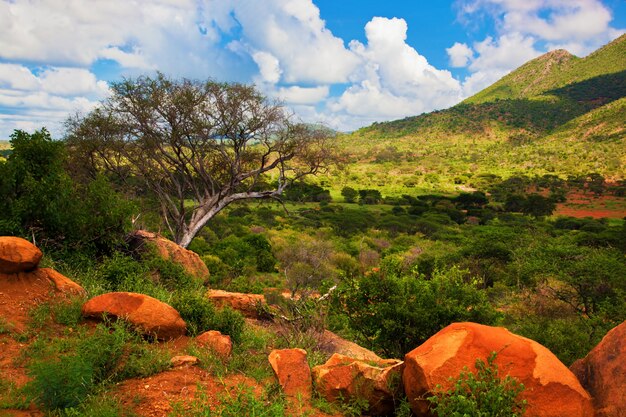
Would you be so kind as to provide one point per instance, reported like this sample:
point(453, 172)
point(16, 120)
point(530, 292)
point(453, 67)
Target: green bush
point(394, 314)
point(484, 394)
point(62, 383)
point(200, 315)
point(83, 362)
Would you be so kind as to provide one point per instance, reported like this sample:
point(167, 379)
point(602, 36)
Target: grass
point(65, 371)
point(235, 402)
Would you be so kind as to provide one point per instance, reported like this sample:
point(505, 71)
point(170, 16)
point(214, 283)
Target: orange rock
point(18, 255)
point(150, 315)
point(63, 283)
point(217, 342)
point(550, 388)
point(247, 304)
point(292, 371)
point(183, 360)
point(377, 382)
point(603, 373)
point(169, 250)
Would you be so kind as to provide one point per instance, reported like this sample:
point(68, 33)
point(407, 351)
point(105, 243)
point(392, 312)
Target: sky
point(344, 63)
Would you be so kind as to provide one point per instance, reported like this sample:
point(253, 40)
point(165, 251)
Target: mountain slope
point(555, 70)
point(535, 99)
point(557, 114)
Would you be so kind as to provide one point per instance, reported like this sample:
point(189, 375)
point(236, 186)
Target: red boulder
point(18, 255)
point(217, 342)
point(292, 371)
point(551, 390)
point(149, 315)
point(603, 373)
point(377, 382)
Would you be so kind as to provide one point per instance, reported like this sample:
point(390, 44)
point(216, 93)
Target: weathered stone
point(148, 314)
point(169, 250)
point(63, 283)
point(332, 343)
point(247, 304)
point(18, 255)
point(550, 388)
point(217, 342)
point(603, 373)
point(184, 360)
point(377, 382)
point(292, 371)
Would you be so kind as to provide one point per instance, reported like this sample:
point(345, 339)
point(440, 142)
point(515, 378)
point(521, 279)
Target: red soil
point(587, 205)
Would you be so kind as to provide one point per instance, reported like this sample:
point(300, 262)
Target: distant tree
point(471, 200)
point(349, 194)
point(197, 146)
point(370, 196)
point(595, 183)
point(537, 205)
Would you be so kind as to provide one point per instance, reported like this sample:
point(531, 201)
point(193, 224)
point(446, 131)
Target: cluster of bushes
point(41, 201)
point(425, 257)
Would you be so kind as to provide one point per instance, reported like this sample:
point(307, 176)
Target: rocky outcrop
point(377, 382)
point(247, 304)
point(217, 342)
point(550, 388)
point(18, 255)
point(23, 285)
point(169, 250)
point(603, 373)
point(151, 316)
point(292, 371)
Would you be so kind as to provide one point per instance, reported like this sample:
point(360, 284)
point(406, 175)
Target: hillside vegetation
point(557, 114)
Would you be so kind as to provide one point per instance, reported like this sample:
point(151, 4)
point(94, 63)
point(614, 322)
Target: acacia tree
point(198, 146)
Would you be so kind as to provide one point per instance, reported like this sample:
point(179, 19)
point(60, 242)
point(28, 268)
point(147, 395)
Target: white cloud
point(460, 54)
point(269, 66)
point(395, 80)
point(293, 33)
point(17, 77)
point(582, 25)
point(29, 100)
point(51, 51)
point(302, 95)
point(526, 29)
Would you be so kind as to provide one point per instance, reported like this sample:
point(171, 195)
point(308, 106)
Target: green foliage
point(235, 402)
point(484, 394)
point(61, 384)
point(41, 200)
point(200, 315)
point(85, 361)
point(349, 194)
point(394, 314)
point(304, 192)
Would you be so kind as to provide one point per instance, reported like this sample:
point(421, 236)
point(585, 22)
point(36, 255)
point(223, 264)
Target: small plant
point(200, 315)
point(86, 361)
point(239, 401)
point(5, 326)
point(68, 312)
point(484, 394)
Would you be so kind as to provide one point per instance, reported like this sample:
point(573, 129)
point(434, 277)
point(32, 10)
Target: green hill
point(555, 70)
point(557, 114)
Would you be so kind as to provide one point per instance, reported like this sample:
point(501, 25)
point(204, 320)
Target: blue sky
point(346, 63)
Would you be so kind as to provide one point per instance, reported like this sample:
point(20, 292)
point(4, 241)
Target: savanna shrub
point(84, 361)
point(200, 315)
point(394, 314)
point(484, 394)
